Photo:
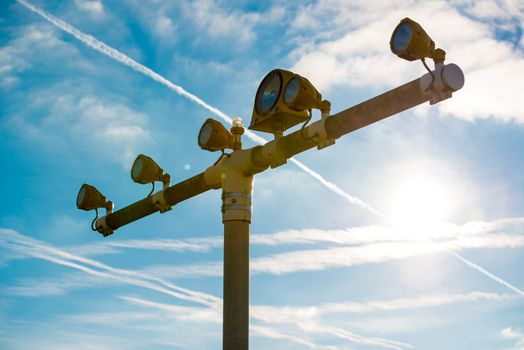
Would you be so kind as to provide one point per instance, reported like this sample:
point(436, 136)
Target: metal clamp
point(102, 226)
point(443, 81)
point(159, 202)
point(236, 206)
point(271, 151)
point(318, 132)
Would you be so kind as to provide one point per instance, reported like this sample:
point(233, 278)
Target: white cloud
point(287, 314)
point(86, 123)
point(348, 236)
point(164, 26)
point(16, 56)
point(220, 22)
point(513, 334)
point(40, 250)
point(214, 315)
point(322, 259)
point(360, 57)
point(94, 7)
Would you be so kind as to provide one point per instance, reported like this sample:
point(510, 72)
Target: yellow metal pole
point(235, 333)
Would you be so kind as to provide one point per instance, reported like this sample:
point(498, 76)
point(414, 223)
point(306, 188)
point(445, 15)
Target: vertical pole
point(236, 216)
point(236, 285)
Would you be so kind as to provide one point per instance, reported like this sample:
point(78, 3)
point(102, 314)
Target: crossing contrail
point(489, 274)
point(107, 50)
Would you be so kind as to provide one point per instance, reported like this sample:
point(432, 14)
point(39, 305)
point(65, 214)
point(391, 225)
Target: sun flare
point(418, 199)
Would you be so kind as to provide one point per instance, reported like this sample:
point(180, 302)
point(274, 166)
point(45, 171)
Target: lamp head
point(410, 42)
point(282, 101)
point(145, 170)
point(213, 136)
point(89, 198)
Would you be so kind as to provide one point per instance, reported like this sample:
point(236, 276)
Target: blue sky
point(441, 270)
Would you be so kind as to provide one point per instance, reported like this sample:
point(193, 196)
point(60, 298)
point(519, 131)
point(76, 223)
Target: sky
point(406, 234)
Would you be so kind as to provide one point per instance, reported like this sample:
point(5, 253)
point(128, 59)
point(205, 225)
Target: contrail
point(107, 50)
point(489, 274)
point(124, 59)
point(41, 250)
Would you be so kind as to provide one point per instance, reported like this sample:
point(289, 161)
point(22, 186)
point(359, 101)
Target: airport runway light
point(145, 171)
point(89, 198)
point(282, 101)
point(410, 42)
point(214, 136)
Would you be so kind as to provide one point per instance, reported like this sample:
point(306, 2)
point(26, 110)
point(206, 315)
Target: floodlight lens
point(137, 168)
point(292, 90)
point(145, 170)
point(205, 134)
point(89, 198)
point(213, 136)
point(402, 37)
point(81, 196)
point(268, 93)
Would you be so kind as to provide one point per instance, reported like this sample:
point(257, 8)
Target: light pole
point(284, 99)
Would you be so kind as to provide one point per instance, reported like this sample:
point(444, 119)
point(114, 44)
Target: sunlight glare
point(418, 200)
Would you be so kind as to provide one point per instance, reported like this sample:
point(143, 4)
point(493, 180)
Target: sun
point(418, 199)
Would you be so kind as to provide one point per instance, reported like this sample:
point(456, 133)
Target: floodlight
point(145, 170)
point(268, 92)
point(89, 198)
point(213, 136)
point(409, 41)
point(282, 101)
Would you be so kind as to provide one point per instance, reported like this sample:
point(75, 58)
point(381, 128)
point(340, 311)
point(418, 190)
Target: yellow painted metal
point(89, 198)
point(420, 45)
point(235, 325)
point(145, 170)
point(284, 114)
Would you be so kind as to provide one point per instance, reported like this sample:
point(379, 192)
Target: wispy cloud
point(350, 236)
point(359, 55)
point(321, 259)
point(513, 334)
point(264, 314)
point(37, 249)
point(211, 310)
point(271, 333)
point(272, 314)
point(124, 59)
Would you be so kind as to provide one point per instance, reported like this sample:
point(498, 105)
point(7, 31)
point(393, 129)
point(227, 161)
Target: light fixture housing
point(213, 136)
point(145, 170)
point(282, 101)
point(410, 42)
point(89, 198)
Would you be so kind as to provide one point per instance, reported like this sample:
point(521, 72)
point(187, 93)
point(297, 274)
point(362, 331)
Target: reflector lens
point(89, 198)
point(81, 196)
point(292, 90)
point(137, 168)
point(213, 136)
point(205, 134)
point(402, 37)
point(268, 93)
point(145, 170)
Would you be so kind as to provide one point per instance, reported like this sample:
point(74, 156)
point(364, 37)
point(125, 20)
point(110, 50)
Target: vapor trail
point(489, 274)
point(124, 59)
point(107, 50)
point(32, 247)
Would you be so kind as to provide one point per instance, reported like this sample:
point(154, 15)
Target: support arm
point(149, 205)
point(248, 162)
